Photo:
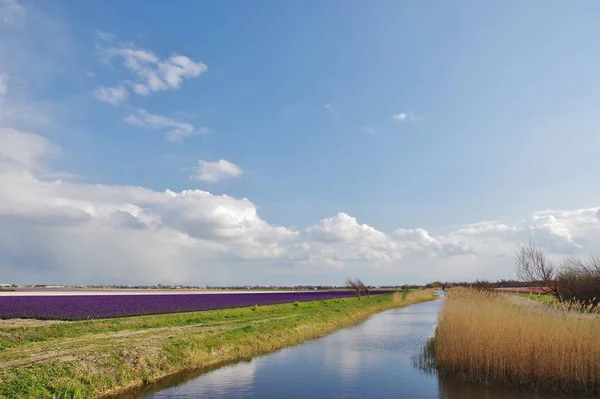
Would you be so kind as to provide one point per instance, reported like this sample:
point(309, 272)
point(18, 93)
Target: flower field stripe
point(106, 306)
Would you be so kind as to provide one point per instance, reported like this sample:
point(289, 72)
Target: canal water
point(371, 360)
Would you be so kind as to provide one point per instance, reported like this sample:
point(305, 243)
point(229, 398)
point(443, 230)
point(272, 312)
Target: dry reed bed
point(483, 336)
point(576, 307)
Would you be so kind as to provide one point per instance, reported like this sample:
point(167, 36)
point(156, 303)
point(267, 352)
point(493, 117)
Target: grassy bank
point(89, 359)
point(483, 336)
point(564, 307)
point(541, 298)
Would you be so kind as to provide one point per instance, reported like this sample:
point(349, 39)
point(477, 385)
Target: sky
point(273, 142)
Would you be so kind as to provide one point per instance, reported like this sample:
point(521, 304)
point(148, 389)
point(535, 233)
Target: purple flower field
point(103, 306)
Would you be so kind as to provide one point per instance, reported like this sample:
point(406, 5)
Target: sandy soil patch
point(14, 323)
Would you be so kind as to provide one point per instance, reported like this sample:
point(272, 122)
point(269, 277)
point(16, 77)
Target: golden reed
point(485, 337)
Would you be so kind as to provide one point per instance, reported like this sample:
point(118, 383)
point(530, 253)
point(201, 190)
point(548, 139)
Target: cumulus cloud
point(151, 73)
point(565, 231)
point(54, 229)
point(215, 171)
point(175, 130)
point(111, 95)
point(76, 232)
point(69, 226)
point(342, 238)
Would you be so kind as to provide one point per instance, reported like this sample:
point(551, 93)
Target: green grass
point(541, 298)
point(88, 359)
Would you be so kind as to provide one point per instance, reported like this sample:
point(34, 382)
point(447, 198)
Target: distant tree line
point(481, 284)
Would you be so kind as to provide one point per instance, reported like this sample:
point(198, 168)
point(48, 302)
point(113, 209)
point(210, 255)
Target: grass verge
point(483, 336)
point(91, 359)
point(541, 298)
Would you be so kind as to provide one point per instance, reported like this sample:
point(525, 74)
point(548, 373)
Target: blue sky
point(400, 114)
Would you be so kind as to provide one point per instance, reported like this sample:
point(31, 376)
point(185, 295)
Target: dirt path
point(16, 323)
point(71, 348)
point(65, 349)
point(538, 307)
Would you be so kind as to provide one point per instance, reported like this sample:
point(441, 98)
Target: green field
point(88, 359)
point(541, 298)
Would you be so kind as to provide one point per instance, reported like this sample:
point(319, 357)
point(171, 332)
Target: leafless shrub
point(579, 279)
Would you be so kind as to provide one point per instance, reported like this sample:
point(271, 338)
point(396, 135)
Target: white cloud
point(22, 150)
point(175, 130)
point(406, 116)
point(111, 95)
point(75, 231)
point(68, 227)
point(401, 116)
point(141, 89)
point(153, 74)
point(342, 238)
point(215, 171)
point(134, 59)
point(71, 231)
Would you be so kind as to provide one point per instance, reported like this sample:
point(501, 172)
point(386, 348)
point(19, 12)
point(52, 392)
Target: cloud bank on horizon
point(65, 230)
point(59, 225)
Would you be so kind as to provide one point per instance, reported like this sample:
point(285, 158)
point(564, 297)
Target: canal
point(371, 360)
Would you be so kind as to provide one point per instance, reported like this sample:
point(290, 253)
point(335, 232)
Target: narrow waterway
point(371, 360)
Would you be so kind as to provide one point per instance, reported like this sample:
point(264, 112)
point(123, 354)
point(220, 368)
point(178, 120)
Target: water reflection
point(372, 360)
point(229, 382)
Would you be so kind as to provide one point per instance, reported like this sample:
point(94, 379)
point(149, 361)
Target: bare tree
point(356, 285)
point(594, 264)
point(534, 266)
point(363, 286)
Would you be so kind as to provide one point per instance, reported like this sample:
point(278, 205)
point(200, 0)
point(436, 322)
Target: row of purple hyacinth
point(104, 306)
